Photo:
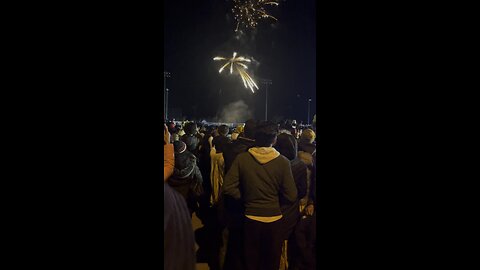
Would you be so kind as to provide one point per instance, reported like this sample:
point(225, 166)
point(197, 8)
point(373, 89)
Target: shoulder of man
point(243, 154)
point(282, 159)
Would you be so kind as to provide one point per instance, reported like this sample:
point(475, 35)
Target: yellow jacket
point(216, 174)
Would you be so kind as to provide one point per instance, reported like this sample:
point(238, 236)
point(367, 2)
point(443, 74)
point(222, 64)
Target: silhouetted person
point(178, 243)
point(205, 167)
point(220, 141)
point(287, 146)
point(191, 138)
point(307, 153)
point(232, 210)
point(186, 175)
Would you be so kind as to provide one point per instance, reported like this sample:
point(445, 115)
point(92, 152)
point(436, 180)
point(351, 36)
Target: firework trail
point(236, 63)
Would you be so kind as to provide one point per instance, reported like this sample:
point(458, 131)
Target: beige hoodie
point(264, 154)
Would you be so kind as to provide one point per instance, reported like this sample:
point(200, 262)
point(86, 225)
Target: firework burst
point(236, 63)
point(249, 12)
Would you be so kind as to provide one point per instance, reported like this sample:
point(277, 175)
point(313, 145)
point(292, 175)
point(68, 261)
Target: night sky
point(284, 51)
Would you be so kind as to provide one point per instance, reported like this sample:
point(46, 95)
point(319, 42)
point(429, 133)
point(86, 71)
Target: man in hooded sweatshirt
point(259, 178)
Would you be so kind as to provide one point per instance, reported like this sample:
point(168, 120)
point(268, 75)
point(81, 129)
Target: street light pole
point(166, 75)
point(308, 113)
point(266, 82)
point(166, 105)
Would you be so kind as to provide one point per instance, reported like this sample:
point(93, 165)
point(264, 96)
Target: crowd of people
point(252, 186)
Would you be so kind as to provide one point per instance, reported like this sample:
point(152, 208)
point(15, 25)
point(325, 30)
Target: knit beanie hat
point(179, 147)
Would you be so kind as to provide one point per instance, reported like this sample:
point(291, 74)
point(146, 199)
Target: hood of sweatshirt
point(264, 154)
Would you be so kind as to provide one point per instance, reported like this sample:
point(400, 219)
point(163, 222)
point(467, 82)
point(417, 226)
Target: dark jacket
point(219, 142)
point(259, 177)
point(313, 185)
point(305, 240)
point(231, 211)
point(306, 147)
point(287, 146)
point(291, 211)
point(231, 151)
point(185, 173)
point(178, 239)
point(310, 148)
point(204, 151)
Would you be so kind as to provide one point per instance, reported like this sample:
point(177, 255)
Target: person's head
point(299, 131)
point(308, 135)
point(249, 129)
point(171, 128)
point(215, 131)
point(223, 130)
point(190, 128)
point(287, 145)
point(208, 131)
point(266, 134)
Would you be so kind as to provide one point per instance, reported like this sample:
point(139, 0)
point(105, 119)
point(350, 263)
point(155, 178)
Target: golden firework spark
point(236, 62)
point(249, 12)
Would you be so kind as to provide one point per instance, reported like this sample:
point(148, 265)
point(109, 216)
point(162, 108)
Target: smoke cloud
point(235, 112)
